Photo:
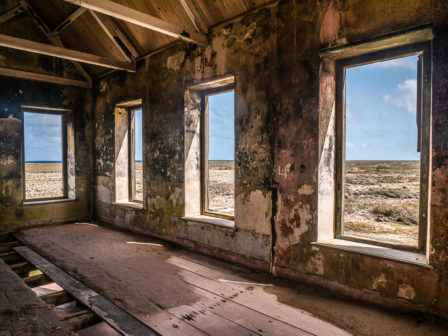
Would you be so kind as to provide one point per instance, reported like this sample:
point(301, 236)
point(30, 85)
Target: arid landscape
point(381, 198)
point(382, 201)
point(221, 187)
point(43, 180)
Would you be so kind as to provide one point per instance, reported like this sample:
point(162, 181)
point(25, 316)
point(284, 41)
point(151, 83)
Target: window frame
point(204, 132)
point(423, 112)
point(51, 111)
point(131, 153)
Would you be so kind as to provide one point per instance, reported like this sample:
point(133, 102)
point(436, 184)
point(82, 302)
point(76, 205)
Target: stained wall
point(273, 54)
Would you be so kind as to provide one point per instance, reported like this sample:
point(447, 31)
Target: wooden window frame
point(204, 148)
point(423, 50)
point(131, 158)
point(51, 111)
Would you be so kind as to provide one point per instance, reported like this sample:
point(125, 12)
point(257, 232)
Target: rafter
point(9, 14)
point(56, 40)
point(69, 20)
point(42, 78)
point(141, 19)
point(115, 34)
point(198, 24)
point(73, 55)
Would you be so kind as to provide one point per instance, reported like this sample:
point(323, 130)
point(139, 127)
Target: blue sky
point(381, 111)
point(43, 137)
point(138, 135)
point(221, 126)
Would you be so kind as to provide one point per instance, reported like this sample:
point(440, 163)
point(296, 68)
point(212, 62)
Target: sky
point(43, 137)
point(221, 126)
point(381, 110)
point(138, 135)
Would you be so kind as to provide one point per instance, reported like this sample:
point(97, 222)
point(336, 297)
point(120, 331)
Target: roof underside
point(85, 33)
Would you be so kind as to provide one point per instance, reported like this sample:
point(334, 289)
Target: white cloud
point(349, 144)
point(408, 63)
point(405, 96)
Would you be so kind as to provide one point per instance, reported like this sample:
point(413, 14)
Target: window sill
point(134, 205)
point(50, 201)
point(211, 220)
point(377, 251)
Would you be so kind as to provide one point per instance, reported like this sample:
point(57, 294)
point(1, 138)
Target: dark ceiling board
point(131, 15)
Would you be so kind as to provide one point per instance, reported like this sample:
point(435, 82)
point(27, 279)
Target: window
point(135, 155)
point(382, 147)
point(218, 152)
point(45, 154)
point(129, 152)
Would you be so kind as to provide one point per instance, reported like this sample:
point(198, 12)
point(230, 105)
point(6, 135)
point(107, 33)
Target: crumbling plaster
point(273, 54)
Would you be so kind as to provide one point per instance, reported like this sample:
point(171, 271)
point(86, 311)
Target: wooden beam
point(73, 55)
point(116, 317)
point(141, 19)
point(68, 21)
point(56, 40)
point(43, 78)
point(193, 18)
point(9, 14)
point(116, 35)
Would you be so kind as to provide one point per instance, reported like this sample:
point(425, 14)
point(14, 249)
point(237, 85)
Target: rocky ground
point(43, 180)
point(382, 201)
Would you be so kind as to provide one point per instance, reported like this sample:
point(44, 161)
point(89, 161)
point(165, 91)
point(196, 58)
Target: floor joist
point(141, 19)
point(112, 314)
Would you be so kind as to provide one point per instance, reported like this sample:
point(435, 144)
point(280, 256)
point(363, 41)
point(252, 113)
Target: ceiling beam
point(198, 24)
point(69, 20)
point(43, 78)
point(56, 40)
point(115, 34)
point(141, 19)
point(54, 51)
point(9, 14)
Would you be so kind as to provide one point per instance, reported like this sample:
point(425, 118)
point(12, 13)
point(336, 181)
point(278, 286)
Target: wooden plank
point(263, 303)
point(57, 298)
point(43, 78)
point(141, 19)
point(69, 20)
point(9, 14)
point(212, 309)
point(54, 39)
point(190, 14)
point(112, 314)
point(10, 257)
point(37, 280)
point(55, 51)
point(7, 246)
point(101, 328)
point(116, 36)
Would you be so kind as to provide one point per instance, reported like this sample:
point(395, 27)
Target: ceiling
point(86, 34)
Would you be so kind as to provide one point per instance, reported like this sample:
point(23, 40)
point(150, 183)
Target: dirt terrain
point(221, 187)
point(382, 200)
point(43, 180)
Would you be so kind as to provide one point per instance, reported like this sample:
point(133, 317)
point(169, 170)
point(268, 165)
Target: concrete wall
point(13, 94)
point(273, 54)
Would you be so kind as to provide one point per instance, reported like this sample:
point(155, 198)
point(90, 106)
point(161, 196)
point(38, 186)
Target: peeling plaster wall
point(13, 94)
point(273, 54)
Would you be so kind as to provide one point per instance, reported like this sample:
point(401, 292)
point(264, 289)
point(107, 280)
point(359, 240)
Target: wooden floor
point(172, 291)
point(176, 292)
